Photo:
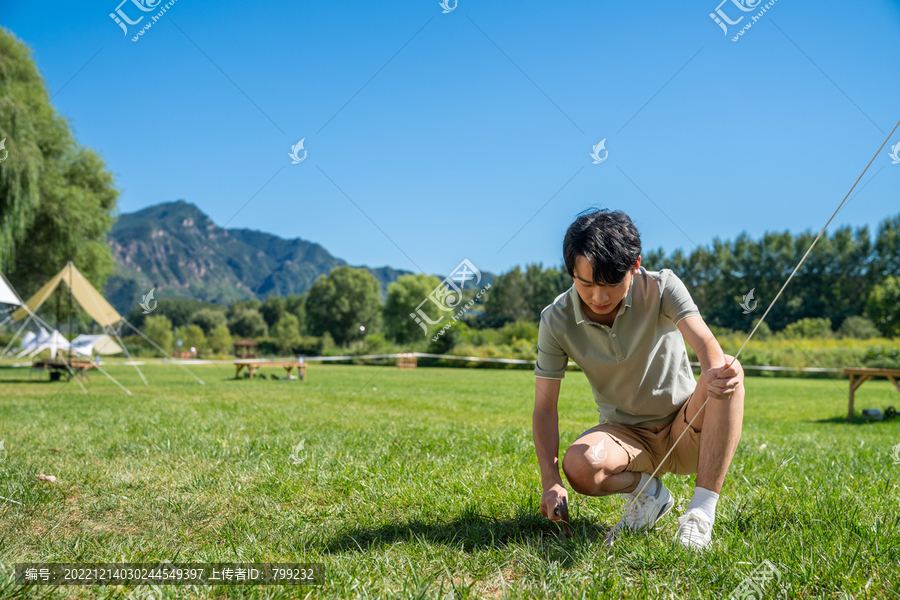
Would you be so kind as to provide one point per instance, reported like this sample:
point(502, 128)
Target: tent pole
point(70, 306)
point(121, 343)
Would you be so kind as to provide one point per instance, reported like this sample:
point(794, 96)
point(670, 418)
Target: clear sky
point(434, 137)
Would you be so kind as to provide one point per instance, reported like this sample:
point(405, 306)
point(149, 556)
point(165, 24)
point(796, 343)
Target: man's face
point(601, 299)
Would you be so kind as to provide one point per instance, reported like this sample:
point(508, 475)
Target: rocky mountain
point(177, 249)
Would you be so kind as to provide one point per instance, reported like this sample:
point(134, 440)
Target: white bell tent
point(54, 342)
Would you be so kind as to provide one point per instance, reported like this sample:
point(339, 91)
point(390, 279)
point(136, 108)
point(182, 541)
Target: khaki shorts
point(646, 446)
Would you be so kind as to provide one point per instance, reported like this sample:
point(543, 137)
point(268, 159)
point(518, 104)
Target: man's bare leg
point(719, 424)
point(720, 431)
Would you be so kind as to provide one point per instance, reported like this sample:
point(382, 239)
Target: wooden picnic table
point(55, 365)
point(254, 365)
point(860, 374)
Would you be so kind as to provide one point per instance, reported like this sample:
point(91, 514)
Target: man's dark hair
point(608, 239)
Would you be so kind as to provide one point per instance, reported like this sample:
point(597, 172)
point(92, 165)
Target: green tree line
point(845, 275)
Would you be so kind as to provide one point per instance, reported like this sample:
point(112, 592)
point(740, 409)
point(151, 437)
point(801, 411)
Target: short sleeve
point(676, 302)
point(551, 359)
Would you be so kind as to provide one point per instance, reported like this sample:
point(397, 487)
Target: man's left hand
point(722, 381)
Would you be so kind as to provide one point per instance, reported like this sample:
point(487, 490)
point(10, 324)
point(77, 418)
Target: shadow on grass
point(857, 420)
point(35, 380)
point(471, 531)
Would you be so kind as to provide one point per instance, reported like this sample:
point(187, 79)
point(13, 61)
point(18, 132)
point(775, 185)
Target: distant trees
point(518, 296)
point(275, 307)
point(57, 198)
point(857, 327)
point(159, 329)
point(343, 301)
point(404, 296)
point(286, 332)
point(247, 323)
point(208, 319)
point(834, 282)
point(180, 311)
point(883, 306)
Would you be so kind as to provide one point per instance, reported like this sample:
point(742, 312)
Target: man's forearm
point(710, 355)
point(545, 429)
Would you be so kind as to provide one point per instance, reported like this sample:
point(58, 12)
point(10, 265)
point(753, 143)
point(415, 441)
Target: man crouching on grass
point(623, 325)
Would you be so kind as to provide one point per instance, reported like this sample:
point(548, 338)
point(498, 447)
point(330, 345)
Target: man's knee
point(584, 466)
point(736, 365)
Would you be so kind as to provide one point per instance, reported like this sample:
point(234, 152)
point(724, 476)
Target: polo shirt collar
point(576, 302)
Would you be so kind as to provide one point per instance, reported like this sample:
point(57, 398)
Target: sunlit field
point(423, 483)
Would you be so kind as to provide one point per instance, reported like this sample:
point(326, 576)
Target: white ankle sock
point(652, 489)
point(705, 500)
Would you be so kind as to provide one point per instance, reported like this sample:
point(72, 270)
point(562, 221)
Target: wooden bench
point(860, 374)
point(254, 365)
point(55, 365)
point(407, 361)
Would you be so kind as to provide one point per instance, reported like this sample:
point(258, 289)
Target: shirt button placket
point(619, 355)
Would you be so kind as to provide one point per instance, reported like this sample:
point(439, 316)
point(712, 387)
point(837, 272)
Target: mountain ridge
point(177, 249)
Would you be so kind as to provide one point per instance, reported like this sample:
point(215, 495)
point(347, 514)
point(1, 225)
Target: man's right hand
point(551, 499)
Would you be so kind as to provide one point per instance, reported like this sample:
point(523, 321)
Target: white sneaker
point(647, 510)
point(694, 529)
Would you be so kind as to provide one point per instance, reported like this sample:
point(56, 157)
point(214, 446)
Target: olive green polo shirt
point(638, 368)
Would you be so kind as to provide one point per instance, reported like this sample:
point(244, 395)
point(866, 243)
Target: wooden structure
point(858, 375)
point(254, 365)
point(245, 349)
point(58, 367)
point(407, 360)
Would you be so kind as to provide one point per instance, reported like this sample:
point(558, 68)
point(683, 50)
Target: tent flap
point(7, 294)
point(89, 298)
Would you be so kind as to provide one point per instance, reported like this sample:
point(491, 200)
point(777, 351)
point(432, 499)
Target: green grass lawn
point(424, 484)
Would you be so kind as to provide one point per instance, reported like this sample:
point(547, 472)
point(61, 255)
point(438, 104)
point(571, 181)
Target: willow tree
point(57, 198)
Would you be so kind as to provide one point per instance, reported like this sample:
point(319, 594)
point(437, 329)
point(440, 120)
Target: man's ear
point(637, 265)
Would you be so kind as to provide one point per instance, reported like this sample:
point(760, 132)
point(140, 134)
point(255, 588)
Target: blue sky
point(435, 137)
